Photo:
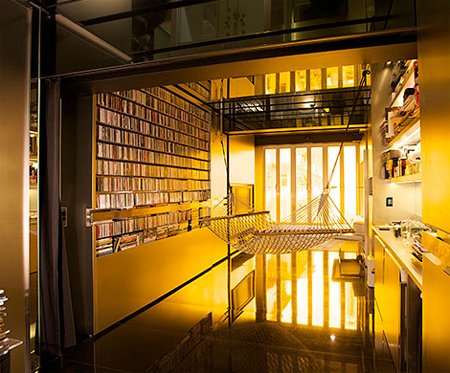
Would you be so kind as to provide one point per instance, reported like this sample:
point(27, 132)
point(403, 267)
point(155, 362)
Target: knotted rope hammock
point(253, 232)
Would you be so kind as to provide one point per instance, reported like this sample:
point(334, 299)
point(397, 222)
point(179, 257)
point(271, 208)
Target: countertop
point(402, 253)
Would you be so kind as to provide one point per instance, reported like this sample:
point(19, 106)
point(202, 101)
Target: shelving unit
point(402, 156)
point(151, 167)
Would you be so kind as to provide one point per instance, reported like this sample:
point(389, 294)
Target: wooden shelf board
point(102, 215)
point(411, 178)
point(409, 124)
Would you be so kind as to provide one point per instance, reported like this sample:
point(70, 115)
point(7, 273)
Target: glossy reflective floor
point(287, 314)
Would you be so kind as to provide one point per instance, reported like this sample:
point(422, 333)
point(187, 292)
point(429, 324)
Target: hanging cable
point(362, 83)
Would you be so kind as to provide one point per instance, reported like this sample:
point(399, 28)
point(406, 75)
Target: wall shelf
point(411, 178)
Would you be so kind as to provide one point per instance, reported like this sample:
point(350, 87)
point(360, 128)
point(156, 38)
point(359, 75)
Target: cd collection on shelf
point(152, 149)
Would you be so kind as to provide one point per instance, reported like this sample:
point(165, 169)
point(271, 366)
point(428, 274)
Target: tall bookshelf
point(151, 167)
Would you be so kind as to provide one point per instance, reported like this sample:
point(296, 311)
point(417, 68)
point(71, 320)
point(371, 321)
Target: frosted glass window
point(316, 171)
point(301, 175)
point(348, 76)
point(335, 184)
point(271, 84)
point(285, 184)
point(350, 192)
point(335, 294)
point(271, 182)
point(302, 287)
point(317, 288)
point(300, 80)
point(315, 79)
point(332, 77)
point(285, 82)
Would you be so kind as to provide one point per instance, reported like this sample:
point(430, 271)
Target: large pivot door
point(294, 175)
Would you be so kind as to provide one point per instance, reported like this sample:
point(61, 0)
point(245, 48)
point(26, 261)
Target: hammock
point(253, 232)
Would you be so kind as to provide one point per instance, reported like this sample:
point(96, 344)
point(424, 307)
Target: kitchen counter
point(402, 253)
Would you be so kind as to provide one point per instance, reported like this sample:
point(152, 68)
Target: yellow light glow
point(285, 82)
point(285, 184)
point(271, 182)
point(302, 287)
point(335, 294)
point(317, 288)
point(301, 176)
point(332, 77)
point(335, 184)
point(348, 76)
point(350, 192)
point(350, 307)
point(300, 80)
point(315, 79)
point(271, 84)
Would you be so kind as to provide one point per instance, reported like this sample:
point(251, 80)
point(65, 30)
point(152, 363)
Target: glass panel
point(271, 287)
point(286, 288)
point(350, 307)
point(317, 288)
point(335, 184)
point(285, 82)
point(315, 79)
point(350, 180)
point(333, 77)
point(271, 84)
point(302, 287)
point(301, 175)
point(348, 76)
point(271, 182)
point(335, 294)
point(300, 80)
point(285, 184)
point(316, 171)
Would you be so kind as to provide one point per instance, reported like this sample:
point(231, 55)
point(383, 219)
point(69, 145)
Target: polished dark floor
point(287, 314)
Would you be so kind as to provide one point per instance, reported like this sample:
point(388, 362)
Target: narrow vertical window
point(285, 183)
point(333, 77)
point(315, 79)
point(271, 182)
point(300, 80)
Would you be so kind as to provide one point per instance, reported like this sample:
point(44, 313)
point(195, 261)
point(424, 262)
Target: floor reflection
point(272, 313)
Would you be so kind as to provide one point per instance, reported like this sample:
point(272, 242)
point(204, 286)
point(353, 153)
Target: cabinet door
point(436, 321)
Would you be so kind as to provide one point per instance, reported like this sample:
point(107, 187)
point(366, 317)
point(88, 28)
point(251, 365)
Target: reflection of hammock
point(254, 232)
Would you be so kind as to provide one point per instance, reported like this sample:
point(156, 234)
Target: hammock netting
point(253, 232)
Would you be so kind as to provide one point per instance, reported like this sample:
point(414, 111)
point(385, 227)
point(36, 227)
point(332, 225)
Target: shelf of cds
point(151, 167)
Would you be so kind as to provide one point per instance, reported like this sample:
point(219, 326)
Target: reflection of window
point(300, 80)
point(285, 82)
point(348, 76)
point(271, 83)
point(332, 77)
point(315, 79)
